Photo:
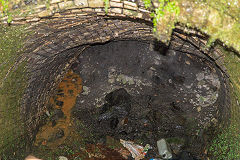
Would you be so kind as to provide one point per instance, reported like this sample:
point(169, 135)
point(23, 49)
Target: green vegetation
point(12, 84)
point(5, 10)
point(226, 145)
point(106, 6)
point(48, 4)
point(147, 3)
point(164, 15)
point(165, 7)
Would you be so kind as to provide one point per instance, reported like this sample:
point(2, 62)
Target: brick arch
point(56, 44)
point(66, 28)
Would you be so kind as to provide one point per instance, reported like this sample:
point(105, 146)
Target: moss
point(217, 18)
point(226, 145)
point(12, 84)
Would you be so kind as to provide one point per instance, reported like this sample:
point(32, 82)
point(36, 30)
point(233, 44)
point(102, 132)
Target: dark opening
point(143, 92)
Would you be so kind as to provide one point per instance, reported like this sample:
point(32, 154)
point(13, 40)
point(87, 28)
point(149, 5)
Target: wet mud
point(169, 95)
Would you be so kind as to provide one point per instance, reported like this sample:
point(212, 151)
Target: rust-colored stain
point(70, 87)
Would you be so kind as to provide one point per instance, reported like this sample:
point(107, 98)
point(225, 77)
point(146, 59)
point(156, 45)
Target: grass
point(226, 145)
point(12, 84)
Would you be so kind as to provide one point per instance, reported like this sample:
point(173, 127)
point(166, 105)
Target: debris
point(124, 153)
point(187, 62)
point(199, 109)
point(31, 158)
point(137, 151)
point(48, 114)
point(117, 107)
point(163, 149)
point(86, 90)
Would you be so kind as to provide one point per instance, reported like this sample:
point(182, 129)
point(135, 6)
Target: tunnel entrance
point(136, 91)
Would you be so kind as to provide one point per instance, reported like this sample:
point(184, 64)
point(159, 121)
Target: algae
point(12, 84)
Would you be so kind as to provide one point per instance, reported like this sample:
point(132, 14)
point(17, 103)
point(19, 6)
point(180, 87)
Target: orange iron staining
point(65, 99)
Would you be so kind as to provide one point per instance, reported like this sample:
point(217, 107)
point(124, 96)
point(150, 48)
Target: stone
point(62, 158)
point(200, 76)
point(130, 7)
point(56, 1)
point(117, 97)
point(116, 4)
point(140, 15)
point(33, 20)
point(129, 12)
point(96, 3)
point(82, 3)
point(130, 4)
point(45, 13)
point(64, 5)
point(99, 10)
point(27, 2)
point(87, 10)
point(111, 80)
point(116, 0)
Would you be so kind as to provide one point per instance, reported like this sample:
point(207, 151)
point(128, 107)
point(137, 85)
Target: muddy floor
point(132, 91)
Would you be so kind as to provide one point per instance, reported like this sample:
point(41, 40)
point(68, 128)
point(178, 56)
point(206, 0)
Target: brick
point(96, 3)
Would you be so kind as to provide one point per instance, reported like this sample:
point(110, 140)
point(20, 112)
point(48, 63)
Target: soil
point(132, 91)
